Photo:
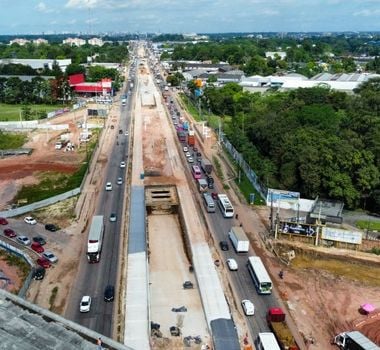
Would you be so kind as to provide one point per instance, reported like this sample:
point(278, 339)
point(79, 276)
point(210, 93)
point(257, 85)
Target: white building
point(74, 41)
point(38, 63)
point(340, 82)
point(19, 41)
point(40, 41)
point(273, 54)
point(96, 42)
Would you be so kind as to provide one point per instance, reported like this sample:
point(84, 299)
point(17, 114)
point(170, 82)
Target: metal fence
point(251, 175)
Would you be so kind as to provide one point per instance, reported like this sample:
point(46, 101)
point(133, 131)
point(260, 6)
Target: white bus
point(95, 239)
point(259, 275)
point(209, 202)
point(267, 341)
point(225, 206)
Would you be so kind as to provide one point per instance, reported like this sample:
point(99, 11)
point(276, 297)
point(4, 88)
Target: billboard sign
point(340, 235)
point(297, 228)
point(277, 196)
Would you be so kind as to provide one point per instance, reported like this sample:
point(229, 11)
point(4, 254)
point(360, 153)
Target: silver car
point(50, 256)
point(23, 240)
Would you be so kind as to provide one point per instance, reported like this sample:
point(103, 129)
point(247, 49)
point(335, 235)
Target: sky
point(187, 16)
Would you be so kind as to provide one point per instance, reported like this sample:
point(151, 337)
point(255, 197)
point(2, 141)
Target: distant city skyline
point(185, 16)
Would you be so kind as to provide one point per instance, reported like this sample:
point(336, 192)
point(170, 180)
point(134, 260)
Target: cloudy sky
point(184, 16)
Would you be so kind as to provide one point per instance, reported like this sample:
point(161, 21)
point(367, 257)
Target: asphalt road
point(93, 278)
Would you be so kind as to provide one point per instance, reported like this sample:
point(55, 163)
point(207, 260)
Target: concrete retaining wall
point(37, 205)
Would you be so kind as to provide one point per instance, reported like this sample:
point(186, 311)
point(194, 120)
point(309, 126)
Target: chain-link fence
point(251, 175)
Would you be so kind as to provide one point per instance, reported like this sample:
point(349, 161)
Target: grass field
point(368, 225)
point(12, 140)
point(12, 112)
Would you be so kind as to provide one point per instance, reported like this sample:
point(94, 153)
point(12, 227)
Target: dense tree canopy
point(316, 141)
point(302, 55)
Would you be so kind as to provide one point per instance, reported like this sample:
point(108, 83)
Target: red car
point(10, 233)
point(43, 262)
point(37, 247)
point(3, 221)
point(214, 195)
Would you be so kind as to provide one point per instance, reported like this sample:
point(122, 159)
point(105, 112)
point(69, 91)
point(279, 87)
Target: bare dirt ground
point(10, 279)
point(17, 171)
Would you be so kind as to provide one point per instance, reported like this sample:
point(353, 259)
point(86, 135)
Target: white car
point(185, 149)
point(248, 307)
point(122, 164)
point(50, 256)
point(23, 240)
point(30, 220)
point(119, 181)
point(232, 264)
point(187, 154)
point(113, 217)
point(126, 133)
point(108, 186)
point(85, 304)
point(190, 159)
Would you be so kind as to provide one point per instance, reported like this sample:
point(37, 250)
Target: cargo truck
point(239, 239)
point(191, 138)
point(206, 165)
point(95, 239)
point(276, 322)
point(354, 341)
point(202, 185)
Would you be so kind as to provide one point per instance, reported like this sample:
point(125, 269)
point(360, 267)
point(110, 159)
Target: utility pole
point(219, 132)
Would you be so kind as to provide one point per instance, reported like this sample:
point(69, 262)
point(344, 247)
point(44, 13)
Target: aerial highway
point(92, 279)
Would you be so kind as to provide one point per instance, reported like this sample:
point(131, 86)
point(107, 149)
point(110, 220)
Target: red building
point(80, 86)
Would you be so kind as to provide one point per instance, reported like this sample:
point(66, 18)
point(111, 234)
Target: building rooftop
point(25, 326)
point(327, 210)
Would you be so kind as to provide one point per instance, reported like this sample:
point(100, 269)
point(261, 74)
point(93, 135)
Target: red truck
point(276, 322)
point(191, 138)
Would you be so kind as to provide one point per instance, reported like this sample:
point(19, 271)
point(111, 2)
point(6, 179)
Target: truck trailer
point(239, 239)
point(95, 239)
point(191, 138)
point(276, 322)
point(354, 341)
point(206, 165)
